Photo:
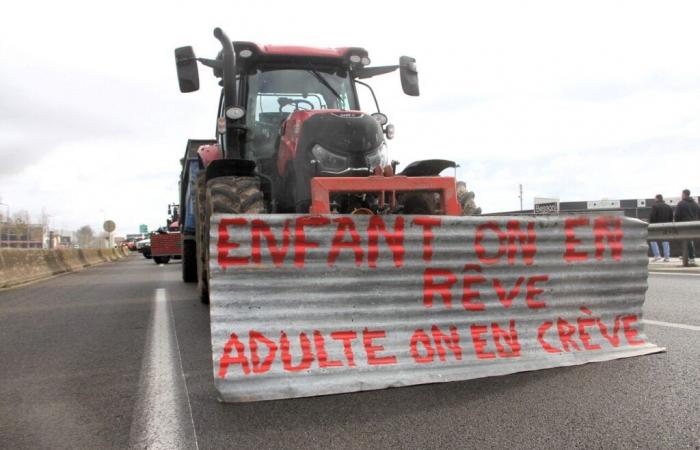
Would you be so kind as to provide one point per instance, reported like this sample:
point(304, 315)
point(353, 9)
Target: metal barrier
point(313, 305)
point(676, 231)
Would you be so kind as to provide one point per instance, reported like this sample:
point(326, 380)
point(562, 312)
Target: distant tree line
point(21, 227)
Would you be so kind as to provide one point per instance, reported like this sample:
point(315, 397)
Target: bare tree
point(21, 222)
point(44, 219)
point(4, 212)
point(85, 236)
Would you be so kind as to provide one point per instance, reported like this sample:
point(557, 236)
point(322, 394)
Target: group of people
point(686, 210)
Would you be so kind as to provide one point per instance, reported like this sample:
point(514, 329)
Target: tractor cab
point(290, 92)
point(274, 93)
point(301, 103)
point(290, 114)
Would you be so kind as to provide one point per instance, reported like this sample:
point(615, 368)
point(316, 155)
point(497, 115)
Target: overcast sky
point(575, 100)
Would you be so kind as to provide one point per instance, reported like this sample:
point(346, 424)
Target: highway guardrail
point(675, 231)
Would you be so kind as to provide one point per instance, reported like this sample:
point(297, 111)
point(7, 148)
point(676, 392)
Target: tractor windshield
point(275, 93)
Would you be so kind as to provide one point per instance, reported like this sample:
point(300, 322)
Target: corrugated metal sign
point(312, 305)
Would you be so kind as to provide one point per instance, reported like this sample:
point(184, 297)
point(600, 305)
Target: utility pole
point(520, 196)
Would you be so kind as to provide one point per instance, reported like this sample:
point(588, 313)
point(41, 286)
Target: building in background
point(638, 208)
point(22, 235)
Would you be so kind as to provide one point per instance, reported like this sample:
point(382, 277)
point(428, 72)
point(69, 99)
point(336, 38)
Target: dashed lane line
point(672, 325)
point(682, 274)
point(163, 414)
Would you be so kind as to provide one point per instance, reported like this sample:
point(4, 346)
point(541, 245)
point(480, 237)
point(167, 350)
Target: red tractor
point(291, 138)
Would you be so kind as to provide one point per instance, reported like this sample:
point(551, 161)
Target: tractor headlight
point(329, 161)
point(378, 157)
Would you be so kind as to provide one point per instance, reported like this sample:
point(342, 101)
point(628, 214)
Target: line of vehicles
point(163, 244)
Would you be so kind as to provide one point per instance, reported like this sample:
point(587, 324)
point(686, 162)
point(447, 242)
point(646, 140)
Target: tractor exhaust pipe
point(229, 82)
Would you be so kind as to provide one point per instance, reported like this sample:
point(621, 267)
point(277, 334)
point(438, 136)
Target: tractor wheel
point(231, 195)
point(164, 260)
point(202, 240)
point(189, 261)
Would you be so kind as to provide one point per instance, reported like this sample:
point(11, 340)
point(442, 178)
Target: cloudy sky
point(575, 100)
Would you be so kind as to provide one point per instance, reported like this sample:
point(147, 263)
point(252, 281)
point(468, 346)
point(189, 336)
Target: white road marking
point(163, 415)
point(672, 325)
point(675, 273)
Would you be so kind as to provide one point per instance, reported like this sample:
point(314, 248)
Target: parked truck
point(165, 243)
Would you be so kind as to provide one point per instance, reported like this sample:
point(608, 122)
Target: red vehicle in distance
point(165, 243)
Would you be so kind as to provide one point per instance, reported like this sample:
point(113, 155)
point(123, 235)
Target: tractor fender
point(230, 168)
point(209, 153)
point(427, 167)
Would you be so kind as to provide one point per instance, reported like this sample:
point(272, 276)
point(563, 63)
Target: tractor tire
point(189, 261)
point(202, 240)
point(231, 195)
point(163, 259)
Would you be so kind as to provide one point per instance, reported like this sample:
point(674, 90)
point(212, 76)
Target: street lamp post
point(102, 241)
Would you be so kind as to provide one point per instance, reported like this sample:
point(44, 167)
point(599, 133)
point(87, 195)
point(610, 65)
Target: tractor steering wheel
point(285, 101)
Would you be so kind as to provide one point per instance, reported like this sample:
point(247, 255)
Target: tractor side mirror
point(409, 75)
point(187, 73)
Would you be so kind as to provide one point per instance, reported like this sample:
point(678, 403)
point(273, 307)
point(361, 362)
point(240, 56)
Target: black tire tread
point(201, 240)
point(189, 261)
point(223, 195)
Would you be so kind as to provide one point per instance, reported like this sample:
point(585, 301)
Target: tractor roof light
point(359, 59)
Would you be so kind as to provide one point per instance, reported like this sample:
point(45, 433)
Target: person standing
point(687, 210)
point(661, 213)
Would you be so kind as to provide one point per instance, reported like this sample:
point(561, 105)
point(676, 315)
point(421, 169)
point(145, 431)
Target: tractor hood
point(329, 143)
point(344, 132)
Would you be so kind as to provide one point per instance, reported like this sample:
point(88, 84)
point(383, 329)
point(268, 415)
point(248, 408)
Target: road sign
point(546, 206)
point(143, 228)
point(109, 226)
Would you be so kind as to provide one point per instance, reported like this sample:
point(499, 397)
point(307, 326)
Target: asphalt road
point(80, 357)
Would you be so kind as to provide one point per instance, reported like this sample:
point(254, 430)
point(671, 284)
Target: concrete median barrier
point(19, 266)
